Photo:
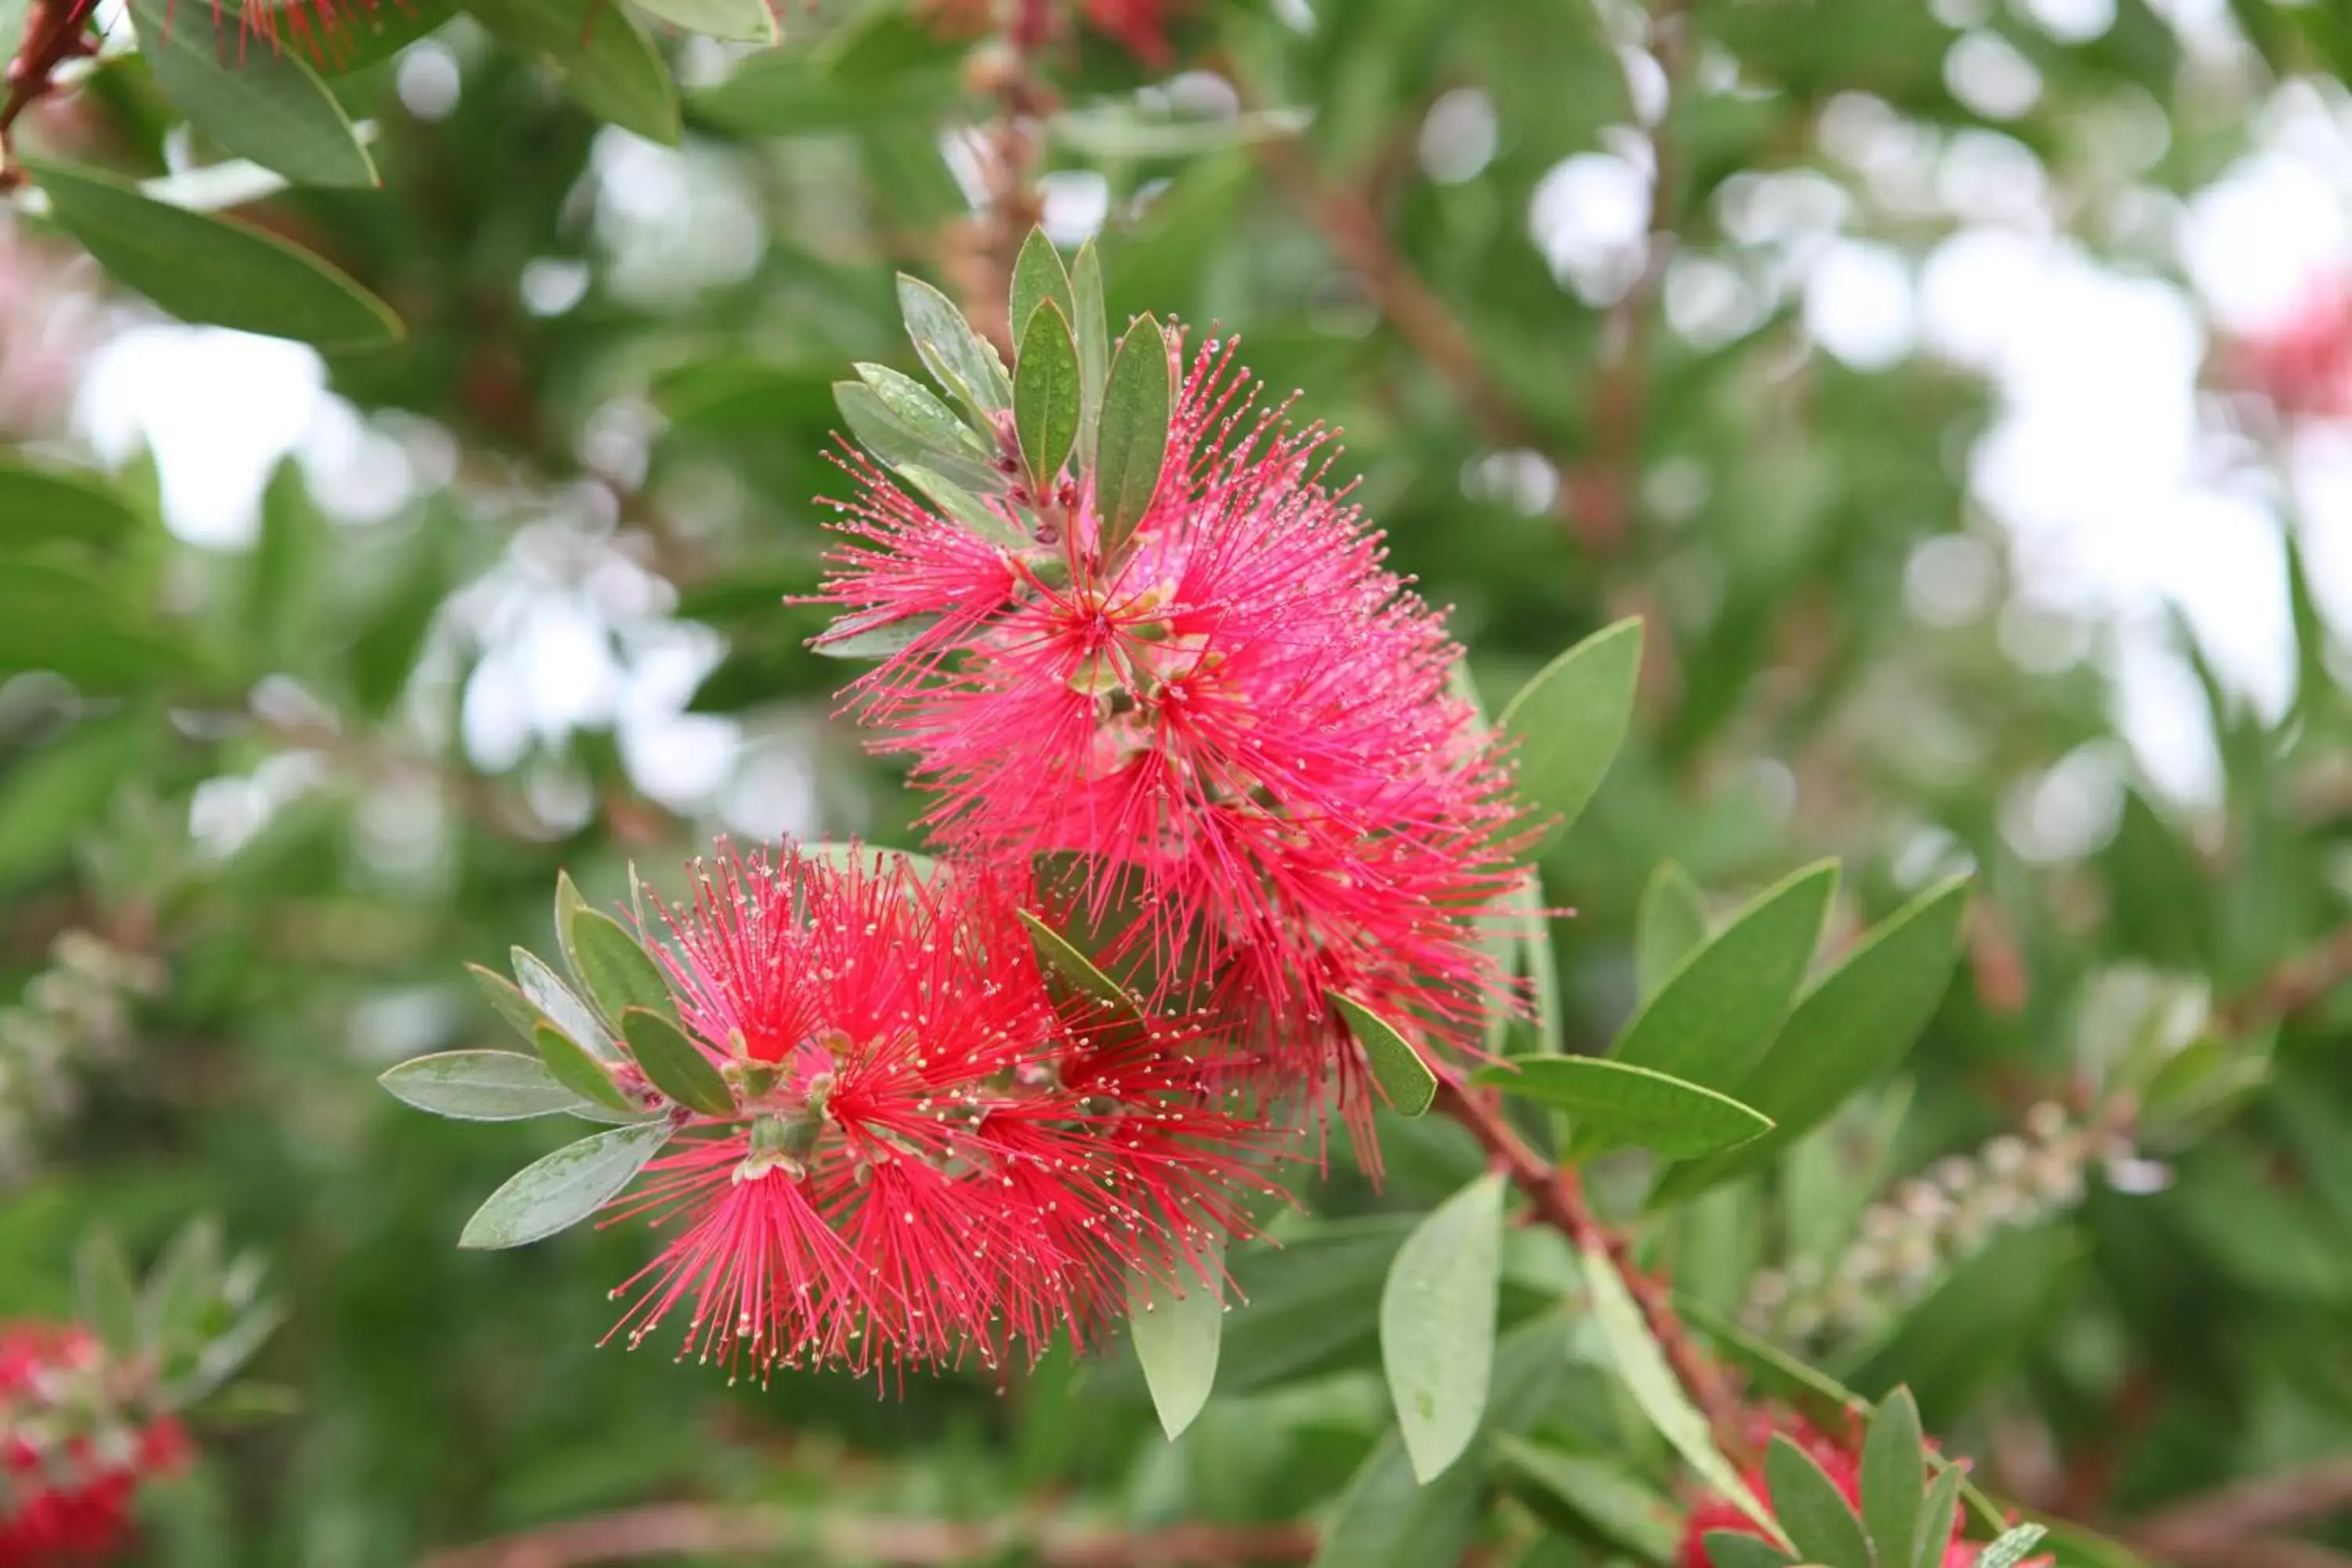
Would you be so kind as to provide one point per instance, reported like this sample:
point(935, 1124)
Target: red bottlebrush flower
point(1139, 26)
point(2303, 364)
point(1239, 724)
point(932, 1159)
point(1839, 1462)
point(70, 1462)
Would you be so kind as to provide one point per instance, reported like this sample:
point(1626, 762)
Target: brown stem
point(55, 32)
point(2294, 985)
point(1557, 1195)
point(2234, 1513)
point(981, 254)
point(698, 1530)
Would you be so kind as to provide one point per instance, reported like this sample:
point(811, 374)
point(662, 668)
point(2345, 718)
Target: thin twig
point(983, 251)
point(55, 32)
point(1557, 1194)
point(679, 1529)
point(2295, 985)
point(2234, 1513)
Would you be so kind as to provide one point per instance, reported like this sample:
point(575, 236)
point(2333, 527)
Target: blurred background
point(1961, 390)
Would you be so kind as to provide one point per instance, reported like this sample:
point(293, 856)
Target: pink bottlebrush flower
point(932, 1159)
point(2303, 363)
point(1839, 1462)
point(1239, 724)
point(70, 1460)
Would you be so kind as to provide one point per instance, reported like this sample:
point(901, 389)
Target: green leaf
point(615, 968)
point(1045, 397)
point(1056, 952)
point(933, 422)
point(50, 795)
point(1652, 1383)
point(1567, 724)
point(1038, 276)
point(1090, 319)
point(52, 617)
point(1731, 1549)
point(604, 60)
point(959, 358)
point(738, 21)
point(962, 507)
point(579, 1072)
point(212, 270)
point(1671, 923)
point(2010, 1549)
point(37, 505)
point(1723, 1002)
point(1606, 1506)
point(1405, 1080)
point(862, 636)
point(556, 1003)
point(1811, 1510)
point(507, 999)
point(258, 101)
point(1934, 1527)
point(371, 37)
point(105, 1298)
point(181, 1290)
point(1893, 1478)
point(1177, 1328)
point(1845, 1031)
point(1132, 441)
point(1974, 1327)
point(478, 1086)
point(1616, 1103)
point(674, 1063)
point(1437, 1324)
point(875, 427)
point(567, 1186)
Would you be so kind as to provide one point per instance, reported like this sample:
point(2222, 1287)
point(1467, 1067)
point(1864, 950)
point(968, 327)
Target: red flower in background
point(933, 1160)
point(1238, 722)
point(1839, 1462)
point(2303, 363)
point(70, 1462)
point(1139, 26)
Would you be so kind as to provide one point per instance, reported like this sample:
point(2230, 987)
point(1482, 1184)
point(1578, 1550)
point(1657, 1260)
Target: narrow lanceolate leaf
point(478, 1086)
point(1089, 320)
point(893, 442)
point(1602, 1502)
point(1723, 1005)
point(557, 1003)
point(1934, 1527)
point(1056, 952)
point(1567, 724)
point(1734, 1549)
point(509, 1002)
point(1670, 922)
point(614, 967)
point(738, 21)
point(1893, 1479)
point(1045, 397)
point(1437, 1324)
point(257, 101)
point(559, 1191)
point(1847, 1030)
point(575, 1069)
point(1643, 1367)
point(962, 507)
point(2010, 1549)
point(1615, 1104)
point(1037, 276)
point(212, 270)
point(674, 1063)
point(1131, 444)
point(1404, 1078)
point(105, 1296)
point(933, 421)
point(963, 362)
point(41, 504)
point(603, 58)
point(862, 636)
point(1811, 1510)
point(1177, 1331)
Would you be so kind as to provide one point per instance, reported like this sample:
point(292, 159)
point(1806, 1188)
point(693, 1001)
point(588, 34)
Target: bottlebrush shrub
point(1132, 634)
point(90, 1410)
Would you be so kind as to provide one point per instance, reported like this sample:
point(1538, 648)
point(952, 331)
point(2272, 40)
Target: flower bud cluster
point(76, 1443)
point(78, 1010)
point(1909, 1241)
